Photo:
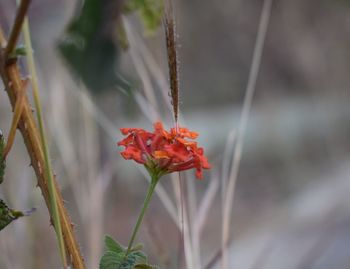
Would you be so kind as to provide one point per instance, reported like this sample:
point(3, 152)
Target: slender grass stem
point(149, 195)
point(247, 104)
point(48, 169)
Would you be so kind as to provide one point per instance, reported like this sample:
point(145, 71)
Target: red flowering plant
point(161, 152)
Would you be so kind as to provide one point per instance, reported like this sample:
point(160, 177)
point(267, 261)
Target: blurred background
point(291, 206)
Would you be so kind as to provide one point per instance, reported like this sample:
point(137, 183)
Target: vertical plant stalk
point(247, 103)
point(171, 46)
point(152, 186)
point(183, 223)
point(12, 80)
point(17, 112)
point(48, 169)
point(10, 47)
point(170, 36)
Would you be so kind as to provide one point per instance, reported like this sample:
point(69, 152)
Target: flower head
point(164, 152)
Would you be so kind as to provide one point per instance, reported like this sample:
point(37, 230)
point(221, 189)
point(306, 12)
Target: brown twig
point(12, 80)
point(15, 119)
point(17, 26)
point(170, 35)
point(2, 40)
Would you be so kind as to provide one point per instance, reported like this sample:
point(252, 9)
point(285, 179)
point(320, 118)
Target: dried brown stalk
point(11, 77)
point(17, 112)
point(21, 13)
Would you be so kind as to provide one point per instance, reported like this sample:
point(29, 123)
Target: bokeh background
point(291, 206)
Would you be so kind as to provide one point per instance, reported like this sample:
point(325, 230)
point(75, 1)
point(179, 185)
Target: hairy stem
point(149, 195)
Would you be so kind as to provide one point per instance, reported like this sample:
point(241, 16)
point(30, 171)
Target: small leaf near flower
point(111, 260)
point(112, 245)
point(114, 257)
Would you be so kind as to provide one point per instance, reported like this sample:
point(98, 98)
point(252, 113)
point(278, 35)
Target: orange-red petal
point(133, 153)
point(169, 151)
point(126, 131)
point(161, 154)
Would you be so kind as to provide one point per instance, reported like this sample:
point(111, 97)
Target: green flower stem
point(155, 179)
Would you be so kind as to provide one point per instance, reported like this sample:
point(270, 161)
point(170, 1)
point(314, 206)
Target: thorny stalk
point(10, 46)
point(48, 169)
point(17, 26)
point(14, 86)
point(15, 119)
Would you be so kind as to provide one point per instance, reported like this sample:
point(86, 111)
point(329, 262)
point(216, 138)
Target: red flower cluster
point(164, 152)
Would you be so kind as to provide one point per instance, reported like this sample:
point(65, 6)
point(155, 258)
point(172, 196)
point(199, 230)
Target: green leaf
point(115, 258)
point(144, 266)
point(137, 247)
point(89, 46)
point(138, 256)
point(111, 260)
point(20, 50)
point(150, 11)
point(8, 215)
point(113, 246)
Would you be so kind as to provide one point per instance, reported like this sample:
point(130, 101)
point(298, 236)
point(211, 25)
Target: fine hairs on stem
point(152, 186)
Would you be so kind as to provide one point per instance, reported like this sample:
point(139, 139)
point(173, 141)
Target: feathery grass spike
point(170, 34)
